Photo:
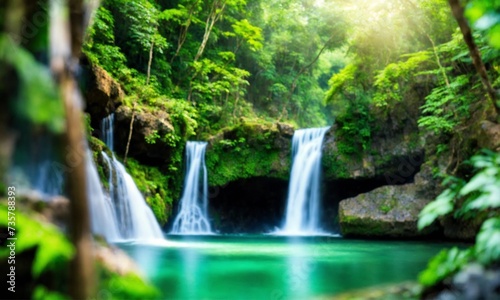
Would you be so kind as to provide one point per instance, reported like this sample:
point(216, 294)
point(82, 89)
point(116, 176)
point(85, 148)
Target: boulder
point(103, 94)
point(248, 150)
point(388, 211)
point(149, 132)
point(489, 136)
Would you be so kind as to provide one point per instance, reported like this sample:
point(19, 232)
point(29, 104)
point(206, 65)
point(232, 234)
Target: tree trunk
point(184, 31)
point(301, 71)
point(150, 61)
point(130, 129)
point(62, 64)
point(216, 12)
point(458, 13)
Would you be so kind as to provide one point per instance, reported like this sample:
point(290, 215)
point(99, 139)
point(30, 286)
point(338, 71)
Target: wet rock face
point(255, 205)
point(392, 157)
point(489, 136)
point(388, 211)
point(103, 94)
point(149, 129)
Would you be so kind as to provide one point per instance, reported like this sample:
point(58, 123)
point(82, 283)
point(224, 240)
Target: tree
point(458, 13)
point(41, 106)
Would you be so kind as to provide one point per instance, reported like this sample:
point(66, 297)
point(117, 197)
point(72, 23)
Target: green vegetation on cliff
point(248, 149)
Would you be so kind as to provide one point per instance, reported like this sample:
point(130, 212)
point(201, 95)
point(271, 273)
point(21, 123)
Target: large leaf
point(38, 99)
point(52, 245)
point(443, 265)
point(488, 241)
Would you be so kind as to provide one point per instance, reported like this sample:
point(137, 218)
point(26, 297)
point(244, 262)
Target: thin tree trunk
point(131, 128)
point(184, 31)
point(438, 61)
point(213, 17)
point(301, 71)
point(458, 13)
point(150, 61)
point(81, 284)
point(434, 49)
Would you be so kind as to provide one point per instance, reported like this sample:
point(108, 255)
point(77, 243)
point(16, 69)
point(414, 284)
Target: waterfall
point(134, 218)
point(123, 214)
point(103, 218)
point(36, 168)
point(107, 132)
point(193, 216)
point(302, 211)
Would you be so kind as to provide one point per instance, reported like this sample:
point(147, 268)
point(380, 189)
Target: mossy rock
point(388, 211)
point(249, 149)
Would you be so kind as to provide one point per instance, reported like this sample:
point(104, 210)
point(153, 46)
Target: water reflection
point(300, 267)
point(218, 267)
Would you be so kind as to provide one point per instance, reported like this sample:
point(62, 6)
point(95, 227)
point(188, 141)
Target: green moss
point(154, 185)
point(334, 167)
point(97, 146)
point(247, 150)
point(385, 208)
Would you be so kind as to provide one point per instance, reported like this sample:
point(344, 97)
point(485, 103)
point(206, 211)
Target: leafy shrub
point(480, 194)
point(390, 82)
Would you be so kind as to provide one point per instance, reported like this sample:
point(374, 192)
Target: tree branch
point(458, 13)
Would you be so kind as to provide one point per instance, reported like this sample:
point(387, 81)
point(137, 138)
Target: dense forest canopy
point(270, 59)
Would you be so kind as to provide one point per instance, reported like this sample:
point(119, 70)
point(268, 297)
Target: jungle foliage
point(226, 58)
point(467, 199)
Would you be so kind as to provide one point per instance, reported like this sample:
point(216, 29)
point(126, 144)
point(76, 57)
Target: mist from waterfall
point(193, 212)
point(303, 204)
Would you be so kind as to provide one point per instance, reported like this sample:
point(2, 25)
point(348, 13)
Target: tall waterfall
point(193, 216)
point(123, 214)
point(134, 218)
point(302, 211)
point(101, 208)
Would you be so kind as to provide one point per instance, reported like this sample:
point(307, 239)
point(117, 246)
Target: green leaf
point(441, 206)
point(443, 265)
point(38, 100)
point(488, 241)
point(477, 182)
point(53, 247)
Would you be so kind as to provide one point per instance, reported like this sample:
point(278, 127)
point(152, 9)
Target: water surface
point(274, 267)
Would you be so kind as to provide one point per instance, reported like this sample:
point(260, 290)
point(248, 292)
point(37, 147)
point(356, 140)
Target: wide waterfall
point(134, 218)
point(193, 215)
point(302, 211)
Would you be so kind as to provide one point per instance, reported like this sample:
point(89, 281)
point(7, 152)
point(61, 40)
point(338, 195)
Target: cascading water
point(134, 218)
point(103, 218)
point(43, 175)
point(36, 168)
point(193, 216)
point(302, 211)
